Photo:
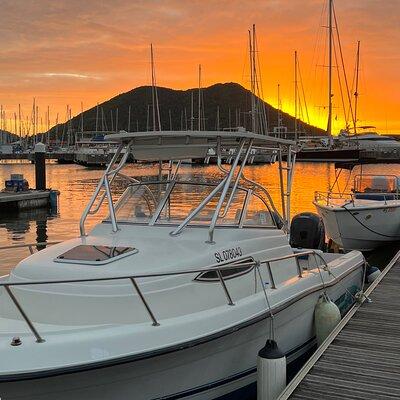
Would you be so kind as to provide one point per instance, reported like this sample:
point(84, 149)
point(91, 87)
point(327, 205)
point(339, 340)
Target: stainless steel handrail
point(109, 172)
point(218, 268)
point(39, 339)
point(328, 196)
point(89, 206)
point(224, 192)
point(237, 180)
point(199, 207)
point(29, 245)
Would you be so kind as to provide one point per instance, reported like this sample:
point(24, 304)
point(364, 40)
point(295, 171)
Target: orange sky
point(68, 51)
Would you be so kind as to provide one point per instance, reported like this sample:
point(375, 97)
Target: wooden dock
point(361, 357)
point(61, 157)
point(24, 200)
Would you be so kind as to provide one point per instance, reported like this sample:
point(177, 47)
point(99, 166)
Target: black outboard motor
point(307, 231)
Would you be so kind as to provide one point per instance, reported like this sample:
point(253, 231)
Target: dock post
point(40, 166)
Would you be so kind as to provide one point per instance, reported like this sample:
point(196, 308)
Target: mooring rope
point(370, 229)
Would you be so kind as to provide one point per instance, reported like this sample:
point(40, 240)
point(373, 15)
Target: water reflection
point(23, 227)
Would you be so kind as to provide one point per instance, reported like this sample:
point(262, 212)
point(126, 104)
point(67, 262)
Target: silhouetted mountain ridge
point(7, 137)
point(233, 101)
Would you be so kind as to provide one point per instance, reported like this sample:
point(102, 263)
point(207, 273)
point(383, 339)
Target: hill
point(7, 137)
point(233, 100)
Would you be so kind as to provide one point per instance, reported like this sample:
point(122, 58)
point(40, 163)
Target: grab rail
point(218, 268)
point(29, 245)
point(106, 183)
point(328, 196)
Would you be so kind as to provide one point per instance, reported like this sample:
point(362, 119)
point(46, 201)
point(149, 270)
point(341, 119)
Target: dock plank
point(363, 361)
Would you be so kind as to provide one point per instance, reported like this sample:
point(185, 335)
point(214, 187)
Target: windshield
point(376, 184)
point(172, 203)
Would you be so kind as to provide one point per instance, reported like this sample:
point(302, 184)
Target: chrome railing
point(30, 246)
point(105, 184)
point(329, 197)
point(218, 268)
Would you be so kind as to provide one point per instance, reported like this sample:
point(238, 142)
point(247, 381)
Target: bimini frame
point(178, 145)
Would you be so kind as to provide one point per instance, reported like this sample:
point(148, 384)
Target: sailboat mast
point(48, 136)
point(255, 84)
point(329, 128)
point(199, 125)
point(81, 116)
point(19, 124)
point(356, 91)
point(295, 95)
point(191, 111)
point(1, 124)
point(97, 117)
point(153, 99)
point(279, 109)
point(253, 100)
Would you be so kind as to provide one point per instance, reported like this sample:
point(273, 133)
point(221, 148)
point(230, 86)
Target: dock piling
point(40, 166)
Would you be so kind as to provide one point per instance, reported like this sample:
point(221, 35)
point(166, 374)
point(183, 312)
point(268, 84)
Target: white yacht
point(167, 299)
point(365, 218)
point(92, 150)
point(370, 140)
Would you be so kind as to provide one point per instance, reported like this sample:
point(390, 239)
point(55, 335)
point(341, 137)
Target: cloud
point(65, 75)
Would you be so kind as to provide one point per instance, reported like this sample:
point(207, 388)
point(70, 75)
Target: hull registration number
point(228, 254)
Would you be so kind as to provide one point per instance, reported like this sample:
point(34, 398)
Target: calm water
point(77, 183)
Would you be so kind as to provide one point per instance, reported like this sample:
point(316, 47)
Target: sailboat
point(329, 149)
point(372, 145)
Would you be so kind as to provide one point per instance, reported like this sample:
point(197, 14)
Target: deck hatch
point(95, 254)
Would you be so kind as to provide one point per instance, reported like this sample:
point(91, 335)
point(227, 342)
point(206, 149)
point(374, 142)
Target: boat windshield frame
point(163, 204)
point(355, 193)
point(183, 143)
point(357, 183)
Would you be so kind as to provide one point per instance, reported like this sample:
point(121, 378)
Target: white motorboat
point(365, 218)
point(164, 298)
point(92, 150)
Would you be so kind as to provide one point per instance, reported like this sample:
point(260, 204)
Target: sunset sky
point(67, 51)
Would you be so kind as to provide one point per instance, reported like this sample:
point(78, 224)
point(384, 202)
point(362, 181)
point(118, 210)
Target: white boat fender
point(271, 371)
point(372, 273)
point(326, 317)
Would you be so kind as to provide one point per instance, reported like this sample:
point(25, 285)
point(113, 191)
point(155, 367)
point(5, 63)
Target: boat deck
point(361, 358)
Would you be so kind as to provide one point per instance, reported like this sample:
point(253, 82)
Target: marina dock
point(24, 200)
point(361, 357)
point(60, 157)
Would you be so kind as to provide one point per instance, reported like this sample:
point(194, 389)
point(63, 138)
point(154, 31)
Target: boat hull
point(328, 155)
point(217, 366)
point(361, 228)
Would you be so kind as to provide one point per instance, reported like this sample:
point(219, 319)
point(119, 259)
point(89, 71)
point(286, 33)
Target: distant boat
point(92, 150)
point(370, 141)
point(365, 218)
